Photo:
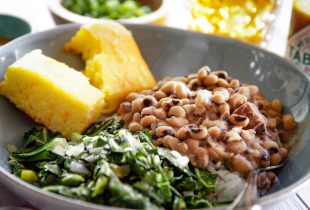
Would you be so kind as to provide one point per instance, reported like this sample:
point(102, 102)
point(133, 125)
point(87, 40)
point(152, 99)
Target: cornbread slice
point(114, 63)
point(52, 93)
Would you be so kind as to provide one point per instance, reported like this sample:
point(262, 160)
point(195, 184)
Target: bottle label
point(299, 50)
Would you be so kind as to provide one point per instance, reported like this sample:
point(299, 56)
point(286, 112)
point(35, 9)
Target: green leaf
point(206, 178)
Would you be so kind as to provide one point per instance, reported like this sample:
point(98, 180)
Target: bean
point(160, 113)
point(165, 105)
point(183, 132)
point(132, 96)
point(243, 90)
point(158, 142)
point(169, 87)
point(137, 105)
point(273, 113)
point(203, 72)
point(192, 144)
point(253, 90)
point(283, 152)
point(233, 136)
point(239, 120)
point(194, 84)
point(203, 97)
point(134, 127)
point(234, 83)
point(220, 74)
point(224, 109)
point(202, 158)
point(213, 155)
point(218, 99)
point(164, 131)
point(182, 91)
point(136, 117)
point(276, 104)
point(177, 122)
point(237, 100)
point(149, 101)
point(271, 146)
point(248, 134)
point(236, 147)
point(210, 80)
point(182, 148)
point(265, 159)
point(147, 121)
point(198, 132)
point(185, 101)
point(221, 124)
point(159, 94)
point(222, 83)
point(148, 111)
point(214, 132)
point(189, 108)
point(124, 107)
point(288, 122)
point(275, 159)
point(127, 117)
point(171, 141)
point(177, 111)
point(241, 164)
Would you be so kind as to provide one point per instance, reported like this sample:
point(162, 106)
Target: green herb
point(109, 165)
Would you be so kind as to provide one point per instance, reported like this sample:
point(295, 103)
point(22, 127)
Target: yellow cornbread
point(52, 93)
point(114, 63)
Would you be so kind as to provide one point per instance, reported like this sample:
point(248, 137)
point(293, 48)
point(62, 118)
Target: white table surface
point(37, 13)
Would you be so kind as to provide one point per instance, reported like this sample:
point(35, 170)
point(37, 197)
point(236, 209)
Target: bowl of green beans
point(125, 11)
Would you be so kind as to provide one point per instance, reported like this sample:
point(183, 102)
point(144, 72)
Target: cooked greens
point(112, 9)
point(111, 166)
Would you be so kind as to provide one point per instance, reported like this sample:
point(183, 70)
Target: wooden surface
point(37, 13)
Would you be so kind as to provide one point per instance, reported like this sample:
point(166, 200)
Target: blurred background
point(270, 24)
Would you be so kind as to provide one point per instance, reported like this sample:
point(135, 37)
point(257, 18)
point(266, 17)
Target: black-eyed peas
point(177, 122)
point(239, 120)
point(148, 111)
point(237, 100)
point(203, 73)
point(276, 105)
point(160, 114)
point(148, 120)
point(177, 111)
point(183, 132)
point(288, 122)
point(164, 131)
point(211, 116)
point(210, 80)
point(159, 94)
point(134, 126)
point(234, 83)
point(198, 132)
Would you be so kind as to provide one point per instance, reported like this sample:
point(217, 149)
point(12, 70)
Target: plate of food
point(106, 116)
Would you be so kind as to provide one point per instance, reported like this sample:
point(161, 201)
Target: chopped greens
point(111, 166)
point(111, 9)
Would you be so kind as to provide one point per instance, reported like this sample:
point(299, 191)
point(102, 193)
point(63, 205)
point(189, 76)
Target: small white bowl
point(157, 16)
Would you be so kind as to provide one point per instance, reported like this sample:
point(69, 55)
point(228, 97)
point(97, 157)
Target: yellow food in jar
point(246, 20)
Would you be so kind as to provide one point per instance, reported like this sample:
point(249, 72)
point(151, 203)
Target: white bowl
point(156, 16)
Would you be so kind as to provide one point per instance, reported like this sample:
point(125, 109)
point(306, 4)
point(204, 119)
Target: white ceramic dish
point(57, 8)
